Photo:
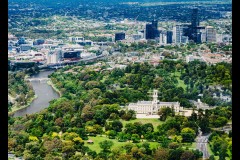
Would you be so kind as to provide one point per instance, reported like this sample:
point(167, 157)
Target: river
point(45, 93)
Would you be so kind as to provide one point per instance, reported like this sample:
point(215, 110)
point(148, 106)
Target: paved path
point(202, 141)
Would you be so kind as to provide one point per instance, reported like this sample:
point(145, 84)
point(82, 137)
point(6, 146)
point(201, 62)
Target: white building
point(163, 38)
point(203, 35)
point(210, 34)
point(152, 107)
point(178, 36)
point(87, 55)
point(200, 104)
point(54, 57)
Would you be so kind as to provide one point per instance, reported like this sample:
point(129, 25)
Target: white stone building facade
point(152, 107)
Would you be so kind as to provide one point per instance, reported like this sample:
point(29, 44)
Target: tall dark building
point(193, 31)
point(119, 36)
point(149, 32)
point(152, 30)
point(155, 24)
point(195, 18)
point(169, 36)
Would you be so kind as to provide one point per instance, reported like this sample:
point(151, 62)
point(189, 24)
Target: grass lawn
point(180, 82)
point(189, 145)
point(98, 139)
point(209, 149)
point(155, 122)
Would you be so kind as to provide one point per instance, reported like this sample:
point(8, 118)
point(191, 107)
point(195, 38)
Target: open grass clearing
point(180, 82)
point(190, 145)
point(155, 122)
point(95, 146)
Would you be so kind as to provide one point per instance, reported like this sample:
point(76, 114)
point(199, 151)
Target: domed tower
point(155, 96)
point(154, 101)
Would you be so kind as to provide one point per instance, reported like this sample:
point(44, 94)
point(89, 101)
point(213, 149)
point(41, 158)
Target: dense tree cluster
point(221, 144)
point(92, 105)
point(19, 89)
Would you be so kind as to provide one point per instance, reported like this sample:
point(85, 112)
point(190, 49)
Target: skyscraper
point(178, 32)
point(149, 31)
point(152, 30)
point(155, 24)
point(169, 36)
point(195, 18)
point(193, 32)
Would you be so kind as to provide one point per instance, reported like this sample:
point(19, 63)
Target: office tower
point(152, 30)
point(210, 34)
point(169, 36)
point(119, 36)
point(155, 24)
point(149, 32)
point(193, 31)
point(163, 37)
point(203, 35)
point(179, 33)
point(155, 27)
point(195, 19)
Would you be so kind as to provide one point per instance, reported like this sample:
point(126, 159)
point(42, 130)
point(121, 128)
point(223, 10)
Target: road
point(202, 141)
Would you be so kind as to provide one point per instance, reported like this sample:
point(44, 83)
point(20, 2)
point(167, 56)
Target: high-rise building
point(179, 35)
point(163, 37)
point(152, 30)
point(195, 18)
point(155, 24)
point(169, 36)
point(119, 36)
point(193, 31)
point(203, 35)
point(149, 32)
point(210, 34)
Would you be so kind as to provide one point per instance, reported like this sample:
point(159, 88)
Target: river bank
point(45, 91)
point(49, 82)
point(17, 108)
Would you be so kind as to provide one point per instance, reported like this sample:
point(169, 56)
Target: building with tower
point(152, 107)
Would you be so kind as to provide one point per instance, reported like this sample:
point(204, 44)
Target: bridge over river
point(62, 64)
point(37, 79)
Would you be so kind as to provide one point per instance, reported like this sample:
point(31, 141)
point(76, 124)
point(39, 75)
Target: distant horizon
point(124, 0)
